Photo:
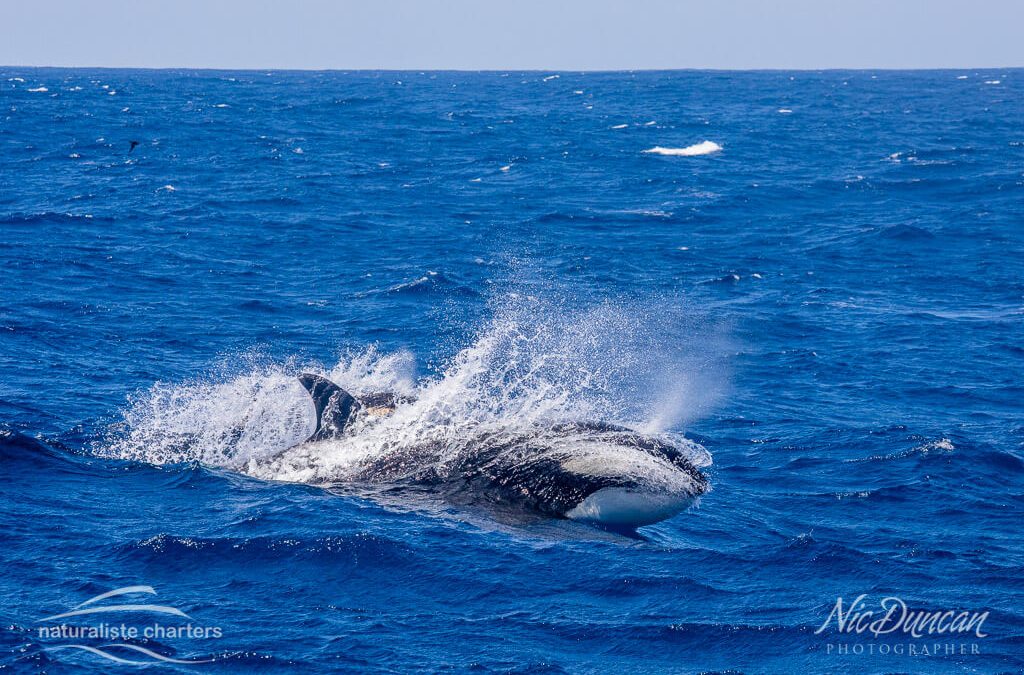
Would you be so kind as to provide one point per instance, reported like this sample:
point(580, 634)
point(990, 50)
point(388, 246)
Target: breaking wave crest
point(536, 363)
point(702, 148)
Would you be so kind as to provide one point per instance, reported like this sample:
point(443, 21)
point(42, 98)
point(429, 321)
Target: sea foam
point(702, 148)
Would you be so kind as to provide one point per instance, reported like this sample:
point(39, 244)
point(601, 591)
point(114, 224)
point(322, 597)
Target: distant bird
point(133, 144)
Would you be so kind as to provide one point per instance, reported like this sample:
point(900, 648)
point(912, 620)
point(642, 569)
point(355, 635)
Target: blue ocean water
point(831, 304)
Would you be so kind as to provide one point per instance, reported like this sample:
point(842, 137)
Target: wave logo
point(115, 641)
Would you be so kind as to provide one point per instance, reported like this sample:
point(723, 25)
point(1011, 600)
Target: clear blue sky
point(513, 34)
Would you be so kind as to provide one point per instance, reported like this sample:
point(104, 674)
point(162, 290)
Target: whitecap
point(39, 89)
point(961, 77)
point(168, 188)
point(650, 124)
point(507, 167)
point(221, 105)
point(578, 92)
point(620, 126)
point(993, 81)
point(702, 148)
point(551, 77)
point(298, 151)
point(785, 111)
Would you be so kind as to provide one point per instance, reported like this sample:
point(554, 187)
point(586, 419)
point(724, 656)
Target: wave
point(51, 218)
point(702, 148)
point(430, 282)
point(19, 447)
point(212, 551)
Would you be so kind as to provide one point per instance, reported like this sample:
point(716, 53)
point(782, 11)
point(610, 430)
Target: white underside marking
point(628, 508)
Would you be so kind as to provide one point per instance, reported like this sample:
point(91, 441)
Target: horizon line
point(254, 69)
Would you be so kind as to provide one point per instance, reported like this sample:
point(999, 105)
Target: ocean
point(812, 277)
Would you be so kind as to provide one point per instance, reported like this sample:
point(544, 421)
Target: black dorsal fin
point(335, 407)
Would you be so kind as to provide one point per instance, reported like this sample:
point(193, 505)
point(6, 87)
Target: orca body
point(592, 471)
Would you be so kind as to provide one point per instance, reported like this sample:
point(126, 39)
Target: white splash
point(702, 148)
point(533, 365)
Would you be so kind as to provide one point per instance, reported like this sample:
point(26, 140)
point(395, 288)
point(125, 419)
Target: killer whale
point(563, 470)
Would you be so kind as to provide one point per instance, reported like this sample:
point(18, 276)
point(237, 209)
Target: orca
point(595, 472)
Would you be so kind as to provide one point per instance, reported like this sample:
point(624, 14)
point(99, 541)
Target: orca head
point(646, 482)
point(602, 480)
